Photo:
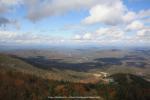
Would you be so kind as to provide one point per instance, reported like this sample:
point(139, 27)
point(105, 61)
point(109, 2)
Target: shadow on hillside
point(45, 63)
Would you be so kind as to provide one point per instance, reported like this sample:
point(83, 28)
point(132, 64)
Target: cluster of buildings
point(104, 77)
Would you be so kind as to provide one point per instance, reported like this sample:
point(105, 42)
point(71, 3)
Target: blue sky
point(87, 21)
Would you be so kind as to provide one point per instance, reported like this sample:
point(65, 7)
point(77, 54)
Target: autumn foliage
point(19, 86)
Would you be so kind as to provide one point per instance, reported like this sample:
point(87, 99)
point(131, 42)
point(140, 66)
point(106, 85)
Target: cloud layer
point(117, 23)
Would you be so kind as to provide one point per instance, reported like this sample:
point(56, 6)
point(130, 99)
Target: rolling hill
point(20, 80)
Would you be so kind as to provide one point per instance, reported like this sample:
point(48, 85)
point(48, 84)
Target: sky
point(104, 22)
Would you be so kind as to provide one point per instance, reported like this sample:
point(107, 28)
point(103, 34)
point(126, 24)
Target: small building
point(104, 74)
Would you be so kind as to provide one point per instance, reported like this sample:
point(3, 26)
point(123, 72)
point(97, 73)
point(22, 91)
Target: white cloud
point(112, 32)
point(135, 25)
point(102, 35)
point(77, 37)
point(124, 25)
point(114, 13)
point(27, 38)
point(144, 33)
point(48, 8)
point(110, 14)
point(103, 11)
point(7, 35)
point(117, 35)
point(87, 36)
point(129, 16)
point(102, 31)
